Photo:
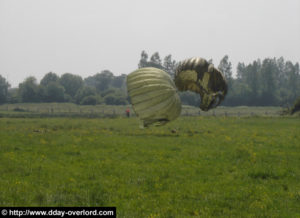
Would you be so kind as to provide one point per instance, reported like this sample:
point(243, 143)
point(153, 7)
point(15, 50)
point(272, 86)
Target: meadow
point(201, 166)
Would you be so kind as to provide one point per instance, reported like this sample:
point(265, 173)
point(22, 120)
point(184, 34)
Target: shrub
point(296, 106)
point(91, 100)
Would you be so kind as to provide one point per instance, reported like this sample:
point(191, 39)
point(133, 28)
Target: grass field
point(210, 167)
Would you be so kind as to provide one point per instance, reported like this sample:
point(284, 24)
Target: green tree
point(41, 93)
point(292, 79)
point(114, 96)
point(226, 67)
point(282, 76)
point(268, 92)
point(252, 81)
point(115, 99)
point(84, 92)
point(48, 78)
point(154, 61)
point(101, 81)
point(169, 65)
point(241, 71)
point(71, 83)
point(119, 81)
point(144, 60)
point(91, 100)
point(13, 96)
point(28, 90)
point(54, 92)
point(4, 85)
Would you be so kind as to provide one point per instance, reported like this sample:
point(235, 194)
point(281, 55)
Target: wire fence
point(98, 111)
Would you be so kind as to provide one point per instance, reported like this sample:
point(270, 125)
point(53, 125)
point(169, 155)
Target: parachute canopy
point(197, 75)
point(153, 96)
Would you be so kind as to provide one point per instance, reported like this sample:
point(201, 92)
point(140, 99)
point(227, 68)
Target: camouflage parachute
point(197, 75)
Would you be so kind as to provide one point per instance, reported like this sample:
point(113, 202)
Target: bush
point(112, 99)
point(296, 106)
point(91, 100)
point(84, 92)
point(17, 109)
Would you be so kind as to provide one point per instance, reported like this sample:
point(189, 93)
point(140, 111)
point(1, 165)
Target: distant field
point(27, 110)
point(206, 167)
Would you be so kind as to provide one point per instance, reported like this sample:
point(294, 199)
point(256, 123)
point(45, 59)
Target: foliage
point(4, 85)
point(28, 90)
point(115, 98)
point(84, 92)
point(226, 68)
point(13, 96)
point(71, 83)
point(168, 65)
point(54, 92)
point(91, 100)
point(49, 78)
point(267, 82)
point(119, 82)
point(111, 88)
point(264, 83)
point(101, 81)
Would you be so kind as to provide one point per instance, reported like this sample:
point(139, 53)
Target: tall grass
point(208, 167)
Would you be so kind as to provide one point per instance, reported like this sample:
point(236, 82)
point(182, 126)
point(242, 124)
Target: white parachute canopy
point(153, 96)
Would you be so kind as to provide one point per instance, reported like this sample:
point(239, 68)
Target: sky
point(84, 37)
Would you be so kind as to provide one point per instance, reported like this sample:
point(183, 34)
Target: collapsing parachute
point(153, 96)
point(197, 75)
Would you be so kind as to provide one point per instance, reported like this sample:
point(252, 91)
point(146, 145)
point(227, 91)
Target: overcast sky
point(87, 36)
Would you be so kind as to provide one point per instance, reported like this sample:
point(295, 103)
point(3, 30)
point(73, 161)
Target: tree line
point(100, 88)
point(267, 82)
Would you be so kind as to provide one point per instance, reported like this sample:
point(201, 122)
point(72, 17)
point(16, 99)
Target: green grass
point(211, 167)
